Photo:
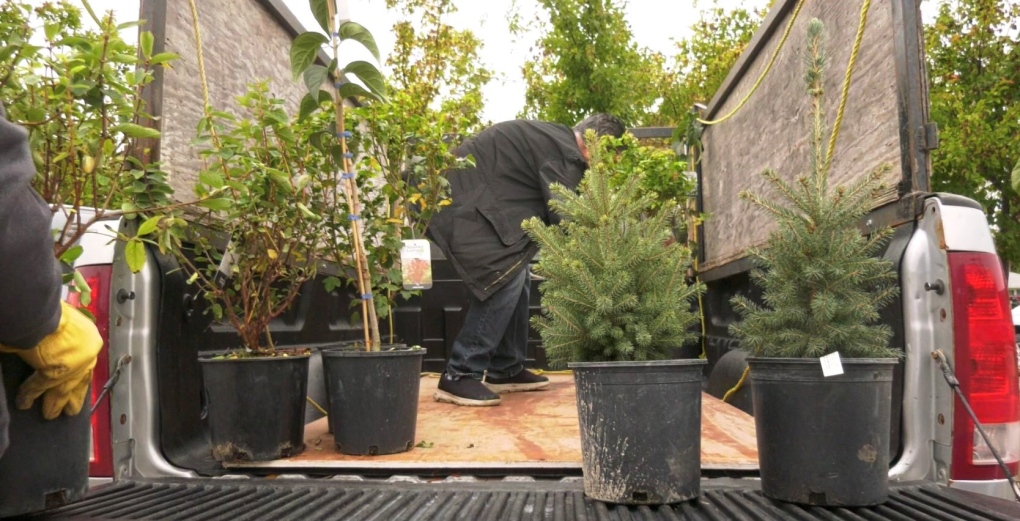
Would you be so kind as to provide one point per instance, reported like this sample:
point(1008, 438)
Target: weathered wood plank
point(771, 131)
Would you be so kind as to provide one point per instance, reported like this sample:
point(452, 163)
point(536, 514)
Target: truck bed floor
point(399, 500)
point(537, 431)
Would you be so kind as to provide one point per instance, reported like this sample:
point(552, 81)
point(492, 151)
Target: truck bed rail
point(412, 498)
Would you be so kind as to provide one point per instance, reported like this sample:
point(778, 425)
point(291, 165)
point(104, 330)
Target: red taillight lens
point(986, 366)
point(98, 278)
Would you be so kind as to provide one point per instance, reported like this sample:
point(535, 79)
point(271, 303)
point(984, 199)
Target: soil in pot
point(256, 406)
point(373, 398)
point(640, 430)
point(823, 440)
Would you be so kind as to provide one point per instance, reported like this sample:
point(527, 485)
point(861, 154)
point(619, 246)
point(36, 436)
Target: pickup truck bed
point(404, 498)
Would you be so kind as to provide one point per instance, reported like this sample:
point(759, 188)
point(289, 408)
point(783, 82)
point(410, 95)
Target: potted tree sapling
point(389, 194)
point(616, 306)
point(262, 187)
point(821, 365)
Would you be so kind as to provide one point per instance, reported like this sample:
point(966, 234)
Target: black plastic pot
point(256, 406)
point(823, 441)
point(373, 398)
point(640, 430)
point(47, 462)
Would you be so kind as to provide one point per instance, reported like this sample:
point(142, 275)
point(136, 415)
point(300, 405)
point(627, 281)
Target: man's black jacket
point(515, 162)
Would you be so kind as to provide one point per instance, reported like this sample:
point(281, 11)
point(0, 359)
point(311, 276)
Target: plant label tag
point(831, 365)
point(416, 264)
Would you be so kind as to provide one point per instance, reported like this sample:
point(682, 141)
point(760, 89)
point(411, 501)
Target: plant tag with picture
point(416, 264)
point(831, 365)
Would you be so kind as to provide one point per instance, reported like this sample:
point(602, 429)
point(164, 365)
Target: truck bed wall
point(771, 130)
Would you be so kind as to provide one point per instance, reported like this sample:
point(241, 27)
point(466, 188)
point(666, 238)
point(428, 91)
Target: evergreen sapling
point(822, 283)
point(615, 287)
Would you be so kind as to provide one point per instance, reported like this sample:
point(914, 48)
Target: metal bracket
point(928, 136)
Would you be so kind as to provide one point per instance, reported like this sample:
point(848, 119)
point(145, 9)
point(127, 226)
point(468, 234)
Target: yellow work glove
point(63, 363)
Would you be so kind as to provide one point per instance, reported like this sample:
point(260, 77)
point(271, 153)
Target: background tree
point(974, 87)
point(436, 65)
point(586, 62)
point(703, 60)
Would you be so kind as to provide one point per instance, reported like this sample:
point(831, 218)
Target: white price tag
point(416, 264)
point(831, 365)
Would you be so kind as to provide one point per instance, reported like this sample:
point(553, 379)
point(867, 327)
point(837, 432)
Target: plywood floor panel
point(535, 430)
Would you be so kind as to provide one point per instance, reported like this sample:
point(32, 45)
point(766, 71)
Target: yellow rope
point(846, 83)
point(317, 406)
point(768, 67)
point(692, 161)
point(740, 383)
point(207, 105)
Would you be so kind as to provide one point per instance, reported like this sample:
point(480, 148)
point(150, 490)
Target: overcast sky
point(656, 25)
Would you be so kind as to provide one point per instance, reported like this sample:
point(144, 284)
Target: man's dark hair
point(602, 124)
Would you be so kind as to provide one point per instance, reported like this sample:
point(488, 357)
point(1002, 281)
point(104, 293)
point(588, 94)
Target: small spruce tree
point(614, 289)
point(822, 283)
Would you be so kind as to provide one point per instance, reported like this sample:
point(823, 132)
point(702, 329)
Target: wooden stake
point(369, 319)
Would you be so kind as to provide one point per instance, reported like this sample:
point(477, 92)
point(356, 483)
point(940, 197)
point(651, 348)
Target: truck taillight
point(986, 366)
point(98, 279)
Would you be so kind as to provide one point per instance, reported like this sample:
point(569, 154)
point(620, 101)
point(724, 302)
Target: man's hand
point(63, 363)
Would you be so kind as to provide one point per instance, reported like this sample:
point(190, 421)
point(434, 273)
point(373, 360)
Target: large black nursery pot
point(373, 398)
point(256, 406)
point(823, 440)
point(640, 430)
point(46, 464)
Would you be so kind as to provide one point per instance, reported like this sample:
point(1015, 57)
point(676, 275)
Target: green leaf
point(356, 32)
point(331, 283)
point(72, 255)
point(306, 212)
point(148, 226)
point(51, 31)
point(309, 104)
point(145, 41)
point(129, 25)
point(134, 254)
point(164, 57)
point(315, 76)
point(303, 52)
point(320, 10)
point(217, 204)
point(369, 74)
point(84, 290)
point(353, 90)
point(135, 130)
point(281, 179)
point(211, 178)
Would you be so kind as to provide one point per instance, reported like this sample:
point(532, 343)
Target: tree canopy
point(974, 86)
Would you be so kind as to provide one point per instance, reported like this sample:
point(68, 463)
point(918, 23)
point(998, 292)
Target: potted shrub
point(822, 440)
point(263, 187)
point(616, 305)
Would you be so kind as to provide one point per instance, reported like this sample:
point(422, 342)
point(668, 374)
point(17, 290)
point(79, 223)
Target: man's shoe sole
point(515, 388)
point(445, 397)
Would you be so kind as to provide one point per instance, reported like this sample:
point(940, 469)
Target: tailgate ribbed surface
point(299, 499)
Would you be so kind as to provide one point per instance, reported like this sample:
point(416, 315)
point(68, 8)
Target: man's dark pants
point(495, 333)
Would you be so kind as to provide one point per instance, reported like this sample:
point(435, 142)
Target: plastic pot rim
point(208, 359)
point(647, 363)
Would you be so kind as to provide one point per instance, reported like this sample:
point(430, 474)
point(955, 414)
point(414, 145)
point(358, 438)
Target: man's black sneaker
point(522, 381)
point(464, 391)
